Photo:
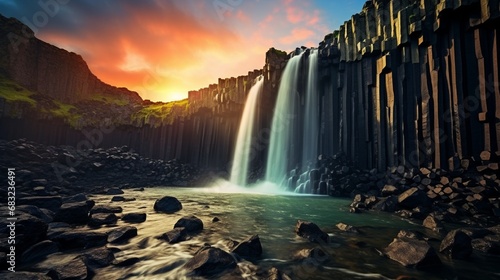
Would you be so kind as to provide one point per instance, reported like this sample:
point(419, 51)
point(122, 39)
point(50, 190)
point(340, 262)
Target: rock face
point(412, 253)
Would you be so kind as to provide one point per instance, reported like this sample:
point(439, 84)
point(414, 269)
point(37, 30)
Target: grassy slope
point(12, 92)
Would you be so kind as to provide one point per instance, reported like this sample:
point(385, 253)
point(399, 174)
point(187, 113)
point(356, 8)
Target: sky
point(164, 48)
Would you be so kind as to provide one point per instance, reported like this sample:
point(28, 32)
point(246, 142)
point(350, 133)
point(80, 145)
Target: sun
point(176, 95)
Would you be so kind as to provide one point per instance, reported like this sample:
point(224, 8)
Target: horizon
point(133, 51)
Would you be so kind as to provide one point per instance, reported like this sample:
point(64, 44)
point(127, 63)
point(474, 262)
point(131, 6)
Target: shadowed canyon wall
point(401, 83)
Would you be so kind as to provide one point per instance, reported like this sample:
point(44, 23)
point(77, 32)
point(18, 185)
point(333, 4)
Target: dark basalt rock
point(412, 253)
point(114, 191)
point(23, 275)
point(73, 213)
point(176, 235)
point(134, 217)
point(75, 270)
point(457, 244)
point(347, 228)
point(190, 223)
point(315, 256)
point(167, 204)
point(413, 198)
point(99, 257)
point(29, 231)
point(100, 219)
point(249, 248)
point(122, 234)
point(209, 261)
point(106, 209)
point(276, 274)
point(80, 239)
point(42, 214)
point(39, 251)
point(48, 202)
point(311, 231)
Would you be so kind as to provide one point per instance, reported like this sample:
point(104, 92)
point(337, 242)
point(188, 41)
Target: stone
point(276, 274)
point(100, 219)
point(347, 228)
point(80, 239)
point(23, 275)
point(42, 214)
point(73, 213)
point(39, 251)
point(106, 209)
point(315, 255)
point(167, 204)
point(190, 223)
point(412, 253)
point(174, 236)
point(48, 202)
point(122, 234)
point(486, 246)
point(387, 204)
point(210, 261)
point(389, 190)
point(432, 223)
point(75, 269)
point(114, 191)
point(457, 244)
point(134, 217)
point(413, 198)
point(249, 248)
point(98, 257)
point(311, 232)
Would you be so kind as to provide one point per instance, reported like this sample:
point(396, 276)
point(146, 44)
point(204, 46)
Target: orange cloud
point(297, 35)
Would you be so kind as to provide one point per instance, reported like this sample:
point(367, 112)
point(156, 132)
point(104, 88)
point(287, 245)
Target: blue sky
point(178, 45)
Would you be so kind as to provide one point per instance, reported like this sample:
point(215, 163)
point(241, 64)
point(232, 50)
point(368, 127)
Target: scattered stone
point(215, 220)
point(276, 274)
point(106, 209)
point(209, 261)
point(316, 255)
point(457, 244)
point(75, 269)
point(412, 253)
point(167, 204)
point(122, 234)
point(114, 191)
point(39, 251)
point(134, 217)
point(190, 223)
point(432, 223)
point(100, 219)
point(80, 239)
point(389, 190)
point(311, 231)
point(98, 257)
point(73, 213)
point(175, 236)
point(249, 248)
point(48, 202)
point(347, 228)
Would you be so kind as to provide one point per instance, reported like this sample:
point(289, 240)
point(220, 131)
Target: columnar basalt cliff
point(412, 83)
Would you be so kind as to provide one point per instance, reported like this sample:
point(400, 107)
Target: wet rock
point(316, 255)
point(210, 261)
point(412, 253)
point(42, 214)
point(126, 262)
point(99, 257)
point(411, 234)
point(75, 270)
point(311, 232)
point(347, 228)
point(76, 198)
point(276, 274)
point(80, 239)
point(387, 204)
point(249, 248)
point(48, 202)
point(167, 204)
point(39, 251)
point(175, 236)
point(23, 275)
point(134, 217)
point(413, 198)
point(486, 246)
point(457, 244)
point(432, 223)
point(100, 219)
point(29, 230)
point(215, 220)
point(389, 190)
point(190, 223)
point(73, 213)
point(122, 234)
point(106, 209)
point(114, 191)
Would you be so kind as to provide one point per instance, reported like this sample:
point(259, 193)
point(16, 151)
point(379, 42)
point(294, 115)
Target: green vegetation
point(112, 99)
point(166, 112)
point(63, 111)
point(12, 92)
point(278, 52)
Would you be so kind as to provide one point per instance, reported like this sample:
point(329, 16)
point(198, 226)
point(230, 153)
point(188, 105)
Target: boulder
point(190, 223)
point(44, 215)
point(114, 191)
point(347, 228)
point(314, 255)
point(432, 223)
point(100, 219)
point(106, 209)
point(457, 244)
point(134, 217)
point(80, 239)
point(413, 198)
point(23, 275)
point(412, 253)
point(39, 251)
point(122, 234)
point(311, 231)
point(209, 261)
point(249, 248)
point(29, 231)
point(48, 202)
point(174, 236)
point(73, 213)
point(387, 204)
point(167, 204)
point(75, 270)
point(98, 257)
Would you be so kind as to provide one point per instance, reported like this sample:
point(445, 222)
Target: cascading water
point(283, 127)
point(311, 113)
point(242, 153)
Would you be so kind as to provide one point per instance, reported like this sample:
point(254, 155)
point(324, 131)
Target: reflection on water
point(272, 217)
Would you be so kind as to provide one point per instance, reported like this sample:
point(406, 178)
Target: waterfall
point(242, 153)
point(283, 131)
point(311, 113)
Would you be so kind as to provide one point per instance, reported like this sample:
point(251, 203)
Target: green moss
point(166, 112)
point(110, 99)
point(278, 52)
point(63, 111)
point(12, 92)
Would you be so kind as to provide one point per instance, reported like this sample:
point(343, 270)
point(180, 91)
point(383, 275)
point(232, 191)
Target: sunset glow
point(163, 49)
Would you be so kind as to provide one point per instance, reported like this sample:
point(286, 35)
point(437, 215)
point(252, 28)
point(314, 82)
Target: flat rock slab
point(412, 253)
point(75, 270)
point(122, 234)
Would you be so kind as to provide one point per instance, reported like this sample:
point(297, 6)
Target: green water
point(273, 218)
